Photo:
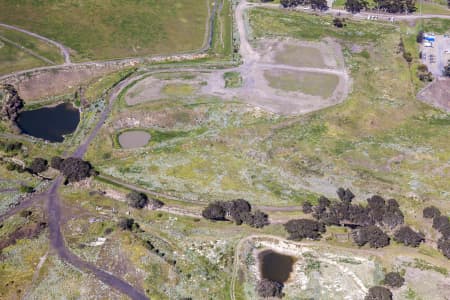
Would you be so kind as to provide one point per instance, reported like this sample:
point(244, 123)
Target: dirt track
point(65, 52)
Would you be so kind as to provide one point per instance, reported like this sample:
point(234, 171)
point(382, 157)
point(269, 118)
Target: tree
point(304, 228)
point(259, 219)
point(319, 5)
point(431, 212)
point(137, 200)
point(408, 237)
point(378, 293)
point(444, 246)
point(442, 225)
point(394, 279)
point(75, 169)
point(338, 22)
point(376, 202)
point(214, 211)
point(127, 224)
point(307, 207)
point(267, 288)
point(397, 6)
point(38, 165)
point(55, 162)
point(355, 6)
point(372, 235)
point(419, 37)
point(345, 195)
point(155, 203)
point(446, 71)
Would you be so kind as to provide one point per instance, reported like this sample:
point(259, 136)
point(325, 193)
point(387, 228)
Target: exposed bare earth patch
point(437, 94)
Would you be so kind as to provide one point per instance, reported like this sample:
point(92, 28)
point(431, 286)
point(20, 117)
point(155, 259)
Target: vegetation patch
point(314, 84)
point(232, 79)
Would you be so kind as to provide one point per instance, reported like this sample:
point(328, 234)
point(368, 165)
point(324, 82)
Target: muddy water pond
point(50, 123)
point(134, 139)
point(275, 266)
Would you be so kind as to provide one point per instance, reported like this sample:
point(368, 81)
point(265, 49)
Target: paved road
point(65, 52)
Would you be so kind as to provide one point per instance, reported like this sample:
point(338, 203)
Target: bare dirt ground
point(437, 94)
point(267, 55)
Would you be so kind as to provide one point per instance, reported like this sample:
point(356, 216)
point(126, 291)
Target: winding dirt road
point(251, 64)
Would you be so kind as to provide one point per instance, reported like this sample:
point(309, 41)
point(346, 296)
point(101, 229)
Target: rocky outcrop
point(11, 104)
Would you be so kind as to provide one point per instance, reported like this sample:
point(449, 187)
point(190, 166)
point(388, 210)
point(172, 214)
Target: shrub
point(38, 165)
point(267, 288)
point(307, 207)
point(431, 212)
point(304, 228)
point(394, 279)
point(444, 246)
point(372, 235)
point(214, 211)
point(75, 169)
point(55, 162)
point(127, 224)
point(378, 293)
point(137, 200)
point(408, 237)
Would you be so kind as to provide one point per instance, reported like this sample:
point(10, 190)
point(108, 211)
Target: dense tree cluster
point(355, 6)
point(378, 211)
point(372, 235)
point(38, 165)
point(12, 104)
point(396, 6)
point(408, 237)
point(304, 229)
point(315, 4)
point(137, 200)
point(73, 168)
point(267, 288)
point(378, 293)
point(394, 279)
point(366, 221)
point(239, 210)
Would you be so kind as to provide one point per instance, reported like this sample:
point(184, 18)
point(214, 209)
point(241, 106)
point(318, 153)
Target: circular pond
point(134, 139)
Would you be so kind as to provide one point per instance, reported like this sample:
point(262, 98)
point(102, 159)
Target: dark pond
point(50, 123)
point(275, 266)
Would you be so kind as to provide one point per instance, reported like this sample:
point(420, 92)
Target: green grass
point(274, 22)
point(178, 89)
point(314, 84)
point(222, 44)
point(434, 8)
point(113, 29)
point(12, 59)
point(232, 79)
point(39, 47)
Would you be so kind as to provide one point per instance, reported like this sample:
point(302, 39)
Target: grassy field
point(13, 58)
point(381, 140)
point(113, 29)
